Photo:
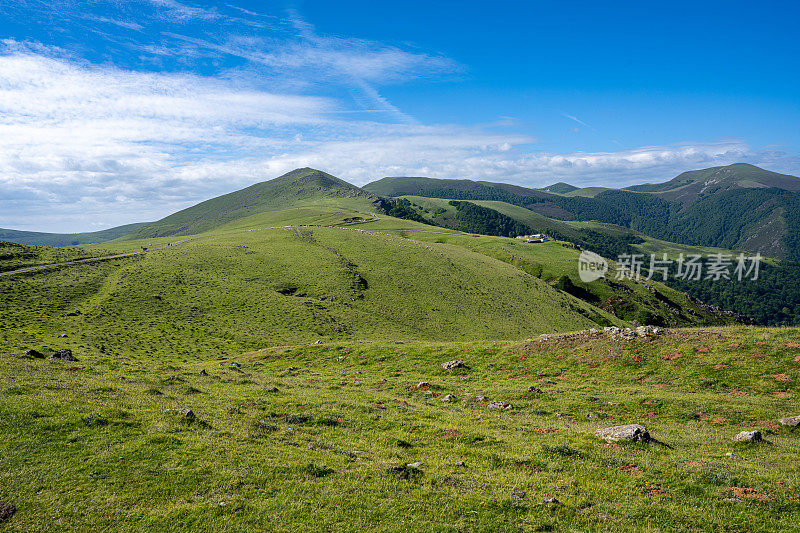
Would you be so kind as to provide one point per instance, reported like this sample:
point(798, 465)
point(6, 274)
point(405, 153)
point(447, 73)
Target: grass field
point(304, 437)
point(299, 339)
point(252, 284)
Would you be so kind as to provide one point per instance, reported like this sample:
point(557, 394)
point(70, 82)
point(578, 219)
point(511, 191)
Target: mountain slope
point(300, 186)
point(560, 188)
point(693, 185)
point(735, 207)
point(66, 239)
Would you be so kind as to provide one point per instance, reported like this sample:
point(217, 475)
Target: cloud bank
point(89, 144)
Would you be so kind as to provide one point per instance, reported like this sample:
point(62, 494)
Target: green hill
point(283, 368)
point(690, 186)
point(66, 239)
point(321, 436)
point(739, 207)
point(301, 186)
point(560, 188)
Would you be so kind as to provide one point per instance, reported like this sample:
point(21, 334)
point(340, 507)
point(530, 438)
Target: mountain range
point(737, 207)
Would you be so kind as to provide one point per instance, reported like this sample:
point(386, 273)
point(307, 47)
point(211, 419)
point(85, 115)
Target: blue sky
point(120, 111)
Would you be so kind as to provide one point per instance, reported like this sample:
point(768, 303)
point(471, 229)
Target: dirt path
point(89, 260)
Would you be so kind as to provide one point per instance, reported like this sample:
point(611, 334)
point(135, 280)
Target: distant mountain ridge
point(560, 188)
point(38, 238)
point(300, 185)
point(738, 206)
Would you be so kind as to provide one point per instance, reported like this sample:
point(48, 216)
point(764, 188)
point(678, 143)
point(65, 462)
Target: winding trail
point(89, 259)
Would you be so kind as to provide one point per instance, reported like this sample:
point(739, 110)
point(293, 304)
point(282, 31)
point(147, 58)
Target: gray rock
point(185, 412)
point(63, 355)
point(6, 510)
point(203, 372)
point(632, 432)
point(423, 385)
point(792, 421)
point(448, 398)
point(34, 353)
point(461, 464)
point(537, 390)
point(455, 363)
point(749, 436)
point(503, 406)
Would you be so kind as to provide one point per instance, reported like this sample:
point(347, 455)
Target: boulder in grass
point(186, 413)
point(63, 355)
point(631, 432)
point(749, 436)
point(502, 406)
point(30, 352)
point(6, 510)
point(792, 421)
point(455, 363)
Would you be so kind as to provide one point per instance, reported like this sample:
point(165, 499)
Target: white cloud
point(86, 143)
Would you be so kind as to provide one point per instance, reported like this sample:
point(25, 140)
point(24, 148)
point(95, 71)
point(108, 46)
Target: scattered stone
point(318, 342)
point(414, 465)
point(63, 355)
point(359, 452)
point(631, 432)
point(461, 464)
point(792, 421)
point(731, 500)
point(455, 363)
point(649, 331)
point(234, 364)
point(423, 385)
point(405, 472)
point(730, 454)
point(537, 390)
point(448, 398)
point(503, 406)
point(552, 501)
point(749, 436)
point(203, 372)
point(6, 510)
point(34, 353)
point(73, 313)
point(62, 336)
point(185, 412)
point(272, 389)
point(480, 399)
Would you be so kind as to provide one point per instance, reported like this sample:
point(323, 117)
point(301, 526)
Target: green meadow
point(307, 342)
point(306, 437)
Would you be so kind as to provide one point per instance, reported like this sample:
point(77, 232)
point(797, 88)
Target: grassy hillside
point(560, 188)
point(307, 437)
point(298, 187)
point(687, 187)
point(735, 207)
point(14, 256)
point(253, 284)
point(66, 239)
